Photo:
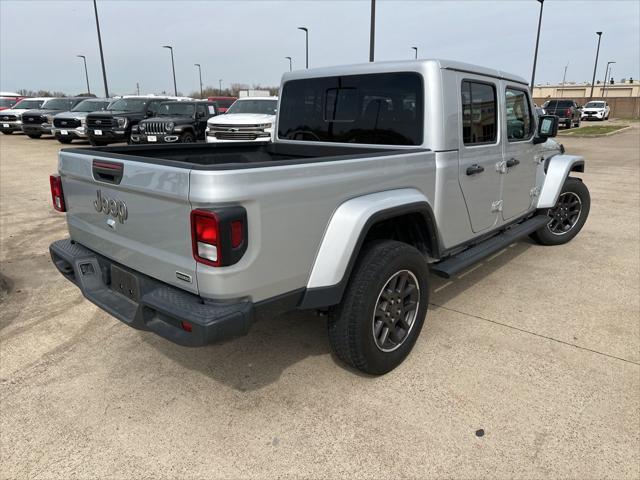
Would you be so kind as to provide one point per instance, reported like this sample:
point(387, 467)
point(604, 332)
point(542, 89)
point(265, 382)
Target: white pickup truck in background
point(249, 119)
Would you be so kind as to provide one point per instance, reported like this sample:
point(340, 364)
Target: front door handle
point(475, 168)
point(512, 162)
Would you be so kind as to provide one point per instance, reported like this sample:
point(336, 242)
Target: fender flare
point(345, 234)
point(557, 170)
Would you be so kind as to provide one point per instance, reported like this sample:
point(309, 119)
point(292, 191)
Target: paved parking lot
point(538, 346)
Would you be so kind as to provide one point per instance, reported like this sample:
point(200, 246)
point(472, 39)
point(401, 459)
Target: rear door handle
point(513, 162)
point(475, 168)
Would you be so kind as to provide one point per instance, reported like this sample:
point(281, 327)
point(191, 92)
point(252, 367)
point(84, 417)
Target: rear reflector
point(57, 196)
point(186, 326)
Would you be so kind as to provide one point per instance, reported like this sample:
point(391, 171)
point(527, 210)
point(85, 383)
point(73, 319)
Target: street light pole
point(535, 55)
point(372, 34)
point(306, 33)
point(173, 68)
point(595, 66)
point(564, 77)
point(104, 72)
point(86, 74)
point(290, 63)
point(416, 49)
point(220, 83)
point(200, 75)
point(606, 75)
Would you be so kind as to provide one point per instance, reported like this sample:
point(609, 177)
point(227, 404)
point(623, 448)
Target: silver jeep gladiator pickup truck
point(379, 173)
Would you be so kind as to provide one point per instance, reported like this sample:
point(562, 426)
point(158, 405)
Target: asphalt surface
point(528, 365)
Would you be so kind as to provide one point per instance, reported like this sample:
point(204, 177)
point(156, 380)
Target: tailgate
point(135, 213)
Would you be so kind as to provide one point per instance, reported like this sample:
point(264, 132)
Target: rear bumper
point(154, 306)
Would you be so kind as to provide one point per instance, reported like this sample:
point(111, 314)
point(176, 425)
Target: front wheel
point(34, 135)
point(568, 216)
point(7, 132)
point(66, 141)
point(187, 137)
point(383, 308)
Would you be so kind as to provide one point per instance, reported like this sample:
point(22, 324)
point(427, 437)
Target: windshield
point(90, 106)
point(559, 104)
point(223, 102)
point(267, 107)
point(28, 104)
point(176, 108)
point(7, 102)
point(595, 105)
point(129, 104)
point(58, 104)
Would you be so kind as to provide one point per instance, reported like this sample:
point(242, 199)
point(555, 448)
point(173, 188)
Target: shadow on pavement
point(260, 358)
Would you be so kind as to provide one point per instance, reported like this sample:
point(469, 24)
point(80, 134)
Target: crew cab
point(38, 122)
point(248, 119)
point(11, 119)
point(223, 103)
point(72, 125)
point(379, 174)
point(567, 112)
point(114, 124)
point(175, 122)
point(596, 110)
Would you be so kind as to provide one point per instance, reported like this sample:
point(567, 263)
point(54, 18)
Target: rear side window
point(479, 113)
point(381, 108)
point(519, 118)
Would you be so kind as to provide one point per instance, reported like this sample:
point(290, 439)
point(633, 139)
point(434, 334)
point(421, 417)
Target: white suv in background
point(249, 119)
point(595, 109)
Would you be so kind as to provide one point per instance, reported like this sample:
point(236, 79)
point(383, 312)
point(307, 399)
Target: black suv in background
point(567, 112)
point(36, 123)
point(114, 124)
point(175, 122)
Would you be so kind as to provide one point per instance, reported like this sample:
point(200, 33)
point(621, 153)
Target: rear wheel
point(568, 216)
point(187, 137)
point(34, 135)
point(383, 308)
point(567, 124)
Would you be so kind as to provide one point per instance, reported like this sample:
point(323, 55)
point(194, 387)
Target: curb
point(571, 135)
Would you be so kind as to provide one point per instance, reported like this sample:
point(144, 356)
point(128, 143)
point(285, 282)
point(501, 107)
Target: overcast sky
point(246, 41)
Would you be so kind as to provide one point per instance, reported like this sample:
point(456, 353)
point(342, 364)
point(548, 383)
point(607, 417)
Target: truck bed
point(234, 156)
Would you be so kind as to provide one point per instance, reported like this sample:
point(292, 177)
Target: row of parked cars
point(570, 114)
point(142, 119)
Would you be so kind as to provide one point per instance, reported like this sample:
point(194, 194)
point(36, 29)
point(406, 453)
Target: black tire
point(567, 124)
point(352, 324)
point(578, 123)
point(34, 135)
point(187, 137)
point(549, 234)
point(66, 141)
point(7, 132)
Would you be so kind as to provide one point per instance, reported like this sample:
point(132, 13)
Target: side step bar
point(460, 261)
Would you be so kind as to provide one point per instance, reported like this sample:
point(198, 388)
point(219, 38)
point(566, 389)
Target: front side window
point(379, 108)
point(479, 113)
point(519, 118)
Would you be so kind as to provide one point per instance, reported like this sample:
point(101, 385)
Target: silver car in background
point(71, 125)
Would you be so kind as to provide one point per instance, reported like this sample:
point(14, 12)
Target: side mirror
point(149, 113)
point(547, 128)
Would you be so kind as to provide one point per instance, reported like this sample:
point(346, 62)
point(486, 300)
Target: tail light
point(568, 112)
point(57, 196)
point(219, 237)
